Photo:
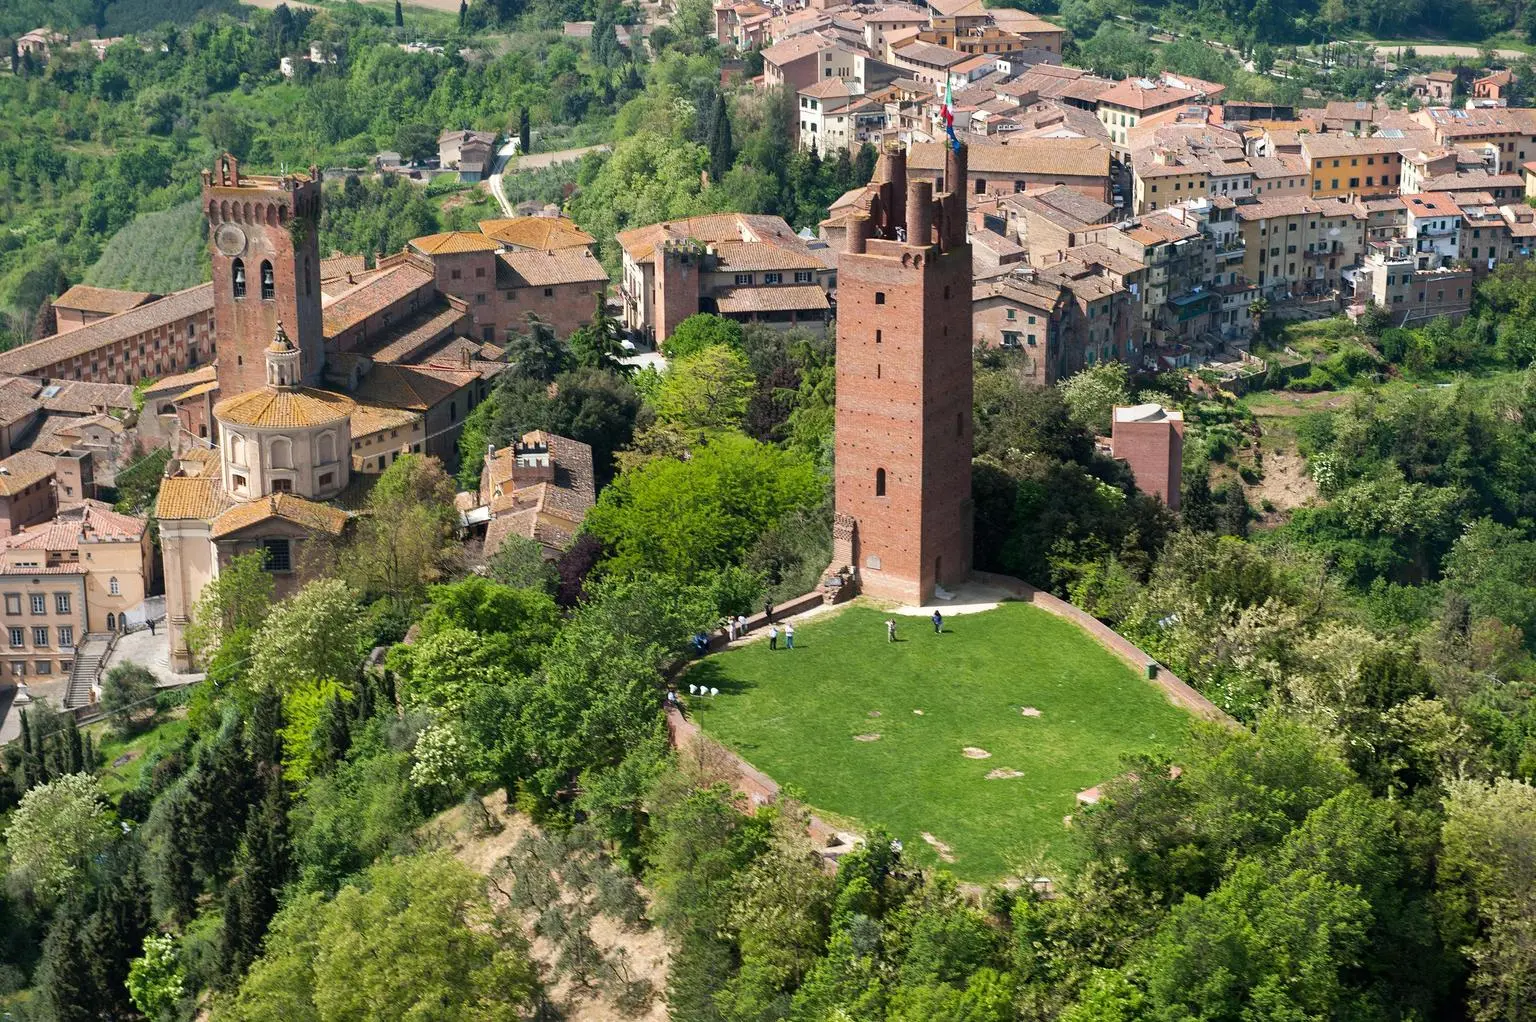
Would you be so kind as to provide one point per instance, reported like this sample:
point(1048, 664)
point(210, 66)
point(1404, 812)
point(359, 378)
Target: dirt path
point(1444, 50)
point(1285, 485)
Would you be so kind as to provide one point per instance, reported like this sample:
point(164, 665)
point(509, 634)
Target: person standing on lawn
point(890, 629)
point(773, 636)
point(938, 623)
point(789, 635)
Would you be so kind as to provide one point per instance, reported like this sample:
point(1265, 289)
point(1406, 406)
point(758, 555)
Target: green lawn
point(795, 714)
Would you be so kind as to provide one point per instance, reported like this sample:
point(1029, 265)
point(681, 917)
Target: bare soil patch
point(1003, 774)
point(874, 713)
point(945, 853)
point(866, 738)
point(1286, 484)
point(1030, 711)
point(646, 951)
point(971, 752)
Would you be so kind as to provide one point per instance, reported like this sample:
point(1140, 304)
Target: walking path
point(504, 155)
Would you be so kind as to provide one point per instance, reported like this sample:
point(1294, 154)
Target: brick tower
point(266, 270)
point(903, 520)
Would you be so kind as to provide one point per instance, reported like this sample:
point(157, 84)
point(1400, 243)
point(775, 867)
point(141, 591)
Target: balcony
point(1231, 252)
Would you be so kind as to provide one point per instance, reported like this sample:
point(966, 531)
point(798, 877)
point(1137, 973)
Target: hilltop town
point(740, 511)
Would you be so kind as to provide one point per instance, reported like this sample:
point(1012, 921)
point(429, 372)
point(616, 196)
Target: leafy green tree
point(683, 517)
point(238, 597)
point(416, 141)
point(314, 634)
point(308, 709)
point(419, 940)
point(1093, 393)
point(596, 345)
point(156, 980)
point(127, 696)
point(699, 331)
point(706, 392)
point(54, 833)
point(406, 541)
point(520, 563)
point(526, 617)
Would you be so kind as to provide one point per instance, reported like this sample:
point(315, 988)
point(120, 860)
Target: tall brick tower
point(903, 520)
point(266, 270)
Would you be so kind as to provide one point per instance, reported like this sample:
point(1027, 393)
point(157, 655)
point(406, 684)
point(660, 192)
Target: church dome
point(296, 408)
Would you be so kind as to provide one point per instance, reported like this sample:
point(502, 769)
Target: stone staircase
point(86, 668)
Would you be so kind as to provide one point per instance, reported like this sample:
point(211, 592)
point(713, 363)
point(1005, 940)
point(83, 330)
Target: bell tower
point(904, 386)
point(266, 271)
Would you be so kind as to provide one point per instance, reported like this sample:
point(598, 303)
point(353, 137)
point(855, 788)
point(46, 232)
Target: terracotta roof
point(377, 294)
point(52, 436)
point(105, 300)
point(270, 408)
point(340, 265)
point(191, 497)
point(1315, 147)
point(415, 387)
point(30, 358)
point(795, 48)
point(198, 390)
point(181, 381)
point(106, 422)
point(1071, 157)
point(774, 298)
point(453, 242)
point(1145, 94)
point(22, 469)
point(526, 511)
point(370, 419)
point(411, 337)
point(1438, 204)
point(1103, 255)
point(81, 397)
point(544, 269)
point(304, 513)
point(539, 233)
point(85, 522)
point(745, 256)
point(930, 54)
point(15, 406)
point(640, 243)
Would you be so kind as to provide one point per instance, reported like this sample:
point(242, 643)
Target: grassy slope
point(166, 734)
point(795, 713)
point(160, 252)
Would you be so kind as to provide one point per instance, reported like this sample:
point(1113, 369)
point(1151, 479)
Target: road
point(504, 155)
point(537, 161)
point(1436, 50)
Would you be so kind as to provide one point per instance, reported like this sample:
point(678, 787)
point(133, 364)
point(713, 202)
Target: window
point(12, 603)
point(66, 635)
point(282, 486)
point(326, 478)
point(879, 482)
point(279, 555)
point(61, 603)
point(773, 278)
point(113, 587)
point(40, 635)
point(44, 667)
point(879, 297)
point(1013, 314)
point(18, 637)
point(479, 271)
point(455, 274)
point(239, 482)
point(549, 292)
point(268, 287)
point(743, 278)
point(877, 371)
point(237, 276)
point(39, 603)
point(1010, 339)
point(877, 336)
point(480, 299)
point(802, 276)
point(981, 186)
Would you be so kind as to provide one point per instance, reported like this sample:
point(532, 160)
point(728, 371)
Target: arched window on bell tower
point(268, 287)
point(237, 275)
point(879, 482)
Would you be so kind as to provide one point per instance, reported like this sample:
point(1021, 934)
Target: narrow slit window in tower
point(879, 482)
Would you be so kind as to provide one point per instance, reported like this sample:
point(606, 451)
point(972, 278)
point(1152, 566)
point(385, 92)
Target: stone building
point(84, 304)
point(1150, 439)
point(540, 488)
point(903, 520)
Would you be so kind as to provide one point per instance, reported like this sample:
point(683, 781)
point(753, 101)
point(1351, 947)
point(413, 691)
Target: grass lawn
point(796, 714)
point(165, 735)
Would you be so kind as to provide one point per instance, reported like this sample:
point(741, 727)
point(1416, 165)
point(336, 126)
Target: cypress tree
point(74, 750)
point(399, 15)
point(720, 154)
point(220, 791)
point(63, 980)
point(261, 731)
point(113, 935)
point(333, 737)
point(524, 131)
point(463, 13)
point(252, 898)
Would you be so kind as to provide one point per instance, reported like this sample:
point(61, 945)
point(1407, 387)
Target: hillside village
point(990, 541)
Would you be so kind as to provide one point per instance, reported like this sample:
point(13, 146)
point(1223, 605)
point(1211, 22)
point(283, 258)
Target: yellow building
point(1346, 165)
point(1300, 245)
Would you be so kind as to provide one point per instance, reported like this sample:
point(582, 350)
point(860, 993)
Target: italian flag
point(946, 108)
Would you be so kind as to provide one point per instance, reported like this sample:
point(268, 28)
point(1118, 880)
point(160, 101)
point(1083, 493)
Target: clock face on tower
point(229, 239)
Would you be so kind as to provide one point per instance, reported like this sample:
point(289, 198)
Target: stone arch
point(280, 453)
point(237, 280)
point(325, 448)
point(268, 282)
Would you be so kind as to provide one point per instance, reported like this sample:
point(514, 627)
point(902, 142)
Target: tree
point(406, 541)
point(127, 695)
point(684, 517)
point(238, 597)
point(252, 897)
point(520, 562)
point(1490, 855)
point(536, 353)
point(707, 391)
point(463, 14)
point(416, 141)
point(156, 980)
point(524, 131)
point(55, 831)
point(1093, 393)
point(314, 634)
point(399, 15)
point(699, 331)
point(596, 345)
point(419, 940)
point(721, 152)
point(527, 618)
